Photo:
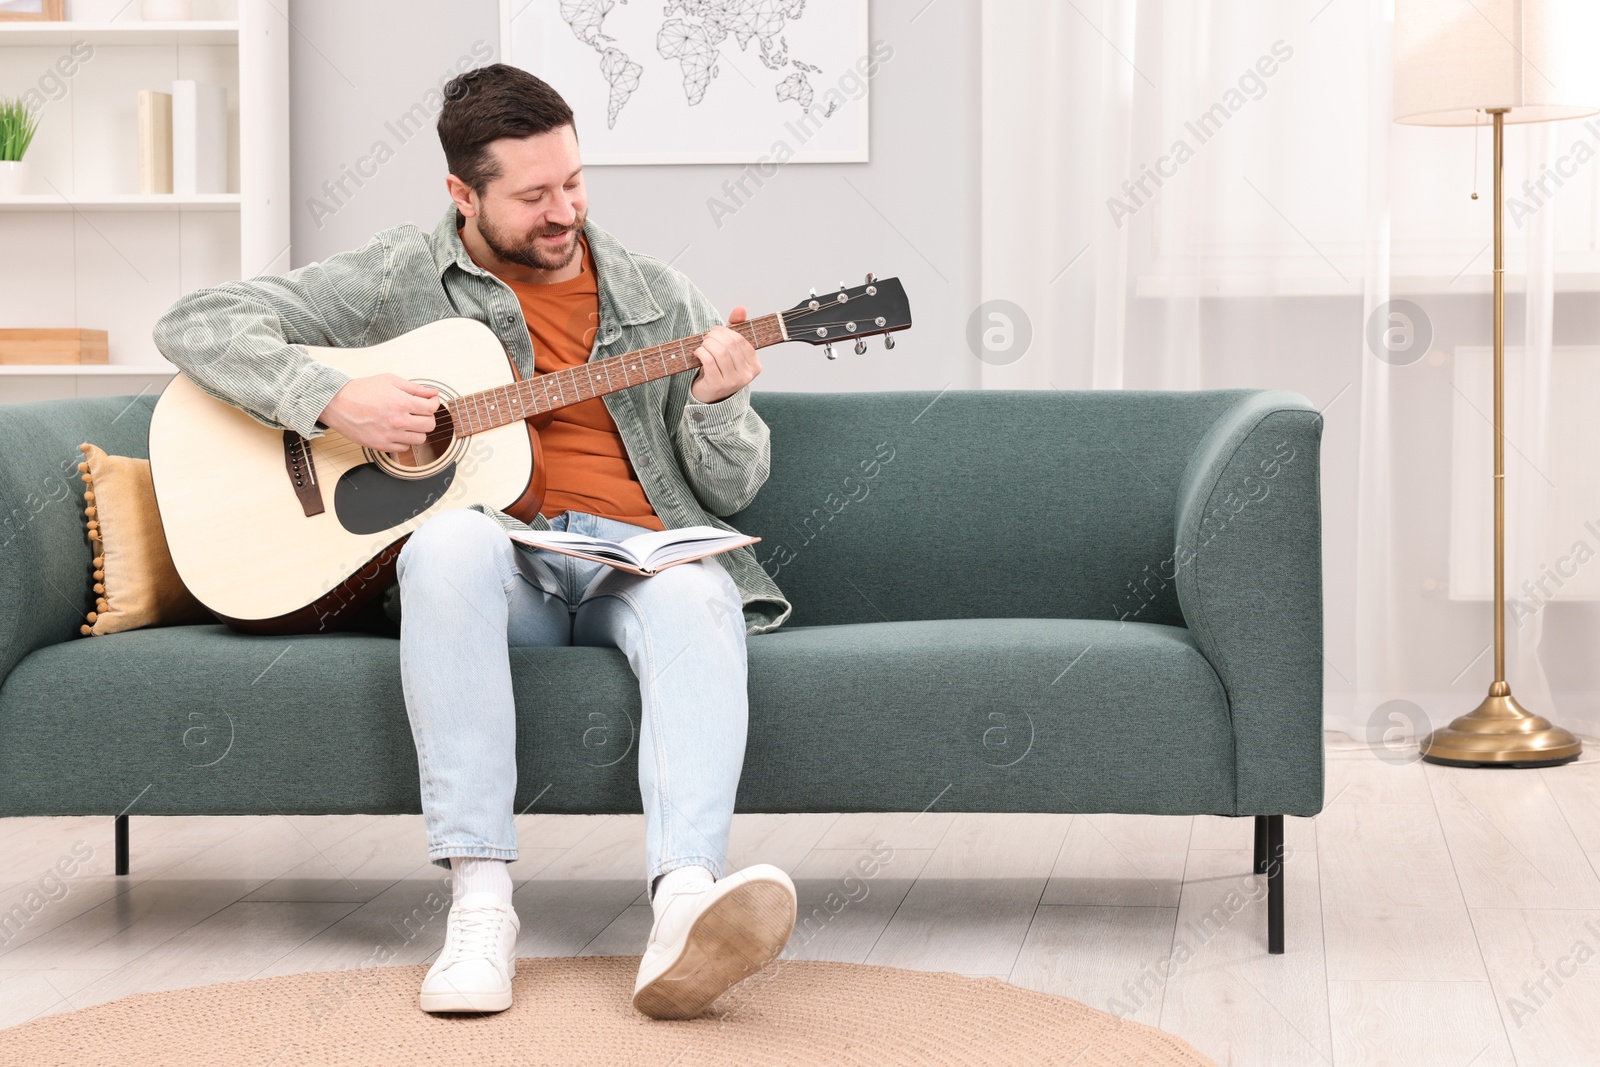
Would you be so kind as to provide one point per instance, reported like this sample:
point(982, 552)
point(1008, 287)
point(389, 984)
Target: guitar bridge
point(302, 473)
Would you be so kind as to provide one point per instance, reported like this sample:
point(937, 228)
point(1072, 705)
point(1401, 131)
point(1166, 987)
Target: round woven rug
point(577, 1011)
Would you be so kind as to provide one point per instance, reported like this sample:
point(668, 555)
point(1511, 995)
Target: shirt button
point(644, 460)
point(698, 416)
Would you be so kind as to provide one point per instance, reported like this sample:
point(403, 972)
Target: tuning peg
point(869, 277)
point(813, 290)
point(888, 340)
point(827, 350)
point(861, 346)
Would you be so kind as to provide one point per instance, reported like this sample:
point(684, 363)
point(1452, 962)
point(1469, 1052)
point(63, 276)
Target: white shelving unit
point(224, 32)
point(122, 202)
point(83, 248)
point(85, 370)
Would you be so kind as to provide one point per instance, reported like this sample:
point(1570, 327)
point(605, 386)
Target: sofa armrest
point(44, 552)
point(1248, 566)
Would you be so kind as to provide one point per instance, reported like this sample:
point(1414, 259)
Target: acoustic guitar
point(278, 533)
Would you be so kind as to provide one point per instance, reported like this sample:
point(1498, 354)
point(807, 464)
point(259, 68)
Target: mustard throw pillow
point(135, 581)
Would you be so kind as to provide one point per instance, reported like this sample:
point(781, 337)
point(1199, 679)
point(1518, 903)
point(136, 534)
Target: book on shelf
point(155, 141)
point(644, 554)
point(199, 138)
point(31, 347)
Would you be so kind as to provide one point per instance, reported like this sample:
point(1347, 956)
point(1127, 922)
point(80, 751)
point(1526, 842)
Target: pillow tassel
point(93, 527)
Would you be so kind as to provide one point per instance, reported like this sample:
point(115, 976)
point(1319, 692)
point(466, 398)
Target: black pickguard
point(368, 499)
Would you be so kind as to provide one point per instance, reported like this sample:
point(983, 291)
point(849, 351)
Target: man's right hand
point(384, 411)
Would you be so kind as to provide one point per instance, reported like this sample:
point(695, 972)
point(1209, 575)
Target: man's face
point(532, 213)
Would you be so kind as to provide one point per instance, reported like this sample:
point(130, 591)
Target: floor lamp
point(1455, 63)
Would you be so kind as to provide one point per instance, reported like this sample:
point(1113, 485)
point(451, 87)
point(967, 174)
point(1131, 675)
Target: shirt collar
point(625, 296)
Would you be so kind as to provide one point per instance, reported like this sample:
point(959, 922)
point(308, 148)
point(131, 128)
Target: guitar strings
point(569, 388)
point(438, 436)
point(441, 439)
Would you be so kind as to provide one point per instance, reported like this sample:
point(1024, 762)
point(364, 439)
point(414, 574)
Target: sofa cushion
point(1030, 503)
point(972, 714)
point(135, 579)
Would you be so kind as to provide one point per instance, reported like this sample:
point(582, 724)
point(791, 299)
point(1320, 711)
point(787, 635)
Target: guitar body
point(277, 533)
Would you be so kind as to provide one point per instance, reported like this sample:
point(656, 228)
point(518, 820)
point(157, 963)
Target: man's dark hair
point(484, 105)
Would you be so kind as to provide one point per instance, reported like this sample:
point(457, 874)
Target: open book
point(646, 553)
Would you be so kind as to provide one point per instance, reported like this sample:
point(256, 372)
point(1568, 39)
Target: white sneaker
point(710, 937)
point(475, 968)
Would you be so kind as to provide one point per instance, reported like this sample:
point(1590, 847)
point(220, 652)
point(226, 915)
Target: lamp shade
point(1455, 58)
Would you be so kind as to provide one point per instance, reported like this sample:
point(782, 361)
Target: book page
point(643, 554)
point(664, 546)
point(594, 546)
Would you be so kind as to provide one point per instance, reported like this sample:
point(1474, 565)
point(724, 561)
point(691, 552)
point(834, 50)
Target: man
point(517, 252)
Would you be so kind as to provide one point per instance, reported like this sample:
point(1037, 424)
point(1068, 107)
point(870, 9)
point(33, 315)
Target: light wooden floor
point(1436, 916)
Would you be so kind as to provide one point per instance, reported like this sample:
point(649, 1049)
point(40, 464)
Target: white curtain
point(1060, 126)
point(1212, 193)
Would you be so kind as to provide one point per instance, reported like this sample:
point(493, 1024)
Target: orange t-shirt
point(585, 462)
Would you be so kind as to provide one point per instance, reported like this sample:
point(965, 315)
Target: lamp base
point(1500, 733)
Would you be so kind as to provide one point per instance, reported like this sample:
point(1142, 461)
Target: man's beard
point(526, 251)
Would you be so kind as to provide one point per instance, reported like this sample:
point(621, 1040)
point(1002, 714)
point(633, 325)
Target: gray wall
point(357, 65)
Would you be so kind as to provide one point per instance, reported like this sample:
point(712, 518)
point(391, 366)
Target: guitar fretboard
point(477, 412)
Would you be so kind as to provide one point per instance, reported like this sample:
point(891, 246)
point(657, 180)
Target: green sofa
point(1047, 601)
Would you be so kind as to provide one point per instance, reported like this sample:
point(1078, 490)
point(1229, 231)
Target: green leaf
point(18, 123)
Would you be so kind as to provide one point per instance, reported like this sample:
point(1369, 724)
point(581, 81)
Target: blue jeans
point(467, 593)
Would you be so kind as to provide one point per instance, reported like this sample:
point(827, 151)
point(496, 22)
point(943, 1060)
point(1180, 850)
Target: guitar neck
point(477, 412)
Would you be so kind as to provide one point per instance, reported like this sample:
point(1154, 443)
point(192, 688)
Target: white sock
point(674, 880)
point(477, 874)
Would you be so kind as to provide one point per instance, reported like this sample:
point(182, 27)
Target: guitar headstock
point(877, 306)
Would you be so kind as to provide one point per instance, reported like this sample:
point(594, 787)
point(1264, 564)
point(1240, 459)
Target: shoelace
point(474, 934)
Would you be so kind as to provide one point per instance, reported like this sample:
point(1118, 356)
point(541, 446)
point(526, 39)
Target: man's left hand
point(728, 362)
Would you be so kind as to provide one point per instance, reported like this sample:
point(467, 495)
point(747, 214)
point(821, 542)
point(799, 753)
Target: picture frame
point(33, 10)
point(680, 88)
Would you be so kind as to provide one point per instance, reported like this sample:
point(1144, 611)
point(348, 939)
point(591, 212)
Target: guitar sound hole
point(432, 450)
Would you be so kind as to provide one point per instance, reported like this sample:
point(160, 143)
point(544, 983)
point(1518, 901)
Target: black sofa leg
point(1270, 827)
point(122, 844)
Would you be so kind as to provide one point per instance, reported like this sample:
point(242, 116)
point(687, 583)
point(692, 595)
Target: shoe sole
point(733, 939)
point(499, 1000)
point(473, 1002)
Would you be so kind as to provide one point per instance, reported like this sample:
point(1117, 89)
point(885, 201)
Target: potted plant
point(18, 123)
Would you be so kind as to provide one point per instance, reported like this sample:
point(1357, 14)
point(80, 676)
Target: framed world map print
point(703, 81)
